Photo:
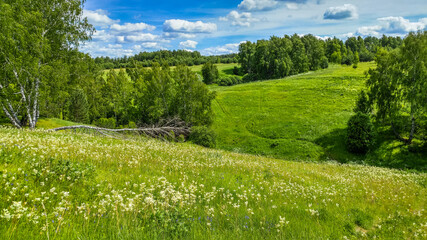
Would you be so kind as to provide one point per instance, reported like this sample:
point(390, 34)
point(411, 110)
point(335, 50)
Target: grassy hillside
point(302, 118)
point(74, 186)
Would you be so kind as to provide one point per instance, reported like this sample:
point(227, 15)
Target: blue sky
point(218, 26)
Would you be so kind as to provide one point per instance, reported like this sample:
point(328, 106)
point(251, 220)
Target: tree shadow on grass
point(229, 71)
point(387, 152)
point(334, 147)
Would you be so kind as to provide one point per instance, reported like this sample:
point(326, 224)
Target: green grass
point(50, 123)
point(302, 117)
point(77, 186)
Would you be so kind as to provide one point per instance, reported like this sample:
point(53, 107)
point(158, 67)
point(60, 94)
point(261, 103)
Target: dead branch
point(165, 129)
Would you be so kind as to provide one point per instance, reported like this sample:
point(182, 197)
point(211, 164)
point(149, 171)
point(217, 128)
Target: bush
point(106, 123)
point(360, 133)
point(250, 77)
point(362, 104)
point(324, 63)
point(229, 81)
point(210, 73)
point(203, 136)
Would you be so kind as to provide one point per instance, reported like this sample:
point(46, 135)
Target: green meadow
point(303, 118)
point(79, 186)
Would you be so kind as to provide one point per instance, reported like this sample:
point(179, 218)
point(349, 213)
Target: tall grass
point(76, 186)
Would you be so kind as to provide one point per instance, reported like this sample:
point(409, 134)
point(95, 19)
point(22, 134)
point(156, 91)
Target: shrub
point(210, 73)
point(203, 136)
point(106, 122)
point(360, 133)
point(236, 71)
point(250, 77)
point(132, 125)
point(324, 63)
point(362, 104)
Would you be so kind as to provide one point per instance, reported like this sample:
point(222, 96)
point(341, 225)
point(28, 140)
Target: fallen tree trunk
point(155, 132)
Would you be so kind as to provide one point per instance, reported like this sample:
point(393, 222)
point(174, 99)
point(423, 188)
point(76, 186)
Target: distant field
point(223, 68)
point(301, 118)
point(77, 186)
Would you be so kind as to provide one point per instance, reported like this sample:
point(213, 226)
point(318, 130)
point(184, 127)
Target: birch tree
point(35, 35)
point(398, 86)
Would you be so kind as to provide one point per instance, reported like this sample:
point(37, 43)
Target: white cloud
point(188, 44)
point(393, 25)
point(178, 35)
point(132, 27)
point(183, 26)
point(98, 18)
point(152, 45)
point(257, 5)
point(112, 50)
point(120, 39)
point(239, 19)
point(291, 6)
point(219, 50)
point(347, 11)
point(102, 35)
point(142, 37)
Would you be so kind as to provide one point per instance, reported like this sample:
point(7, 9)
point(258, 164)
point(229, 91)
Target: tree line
point(290, 55)
point(172, 58)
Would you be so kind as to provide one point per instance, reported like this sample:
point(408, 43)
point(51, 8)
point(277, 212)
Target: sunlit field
point(303, 117)
point(77, 186)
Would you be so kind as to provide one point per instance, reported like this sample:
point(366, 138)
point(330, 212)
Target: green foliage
point(79, 106)
point(203, 136)
point(210, 73)
point(37, 37)
point(398, 85)
point(280, 57)
point(163, 94)
point(229, 81)
point(324, 62)
point(106, 123)
point(362, 103)
point(336, 57)
point(356, 60)
point(360, 133)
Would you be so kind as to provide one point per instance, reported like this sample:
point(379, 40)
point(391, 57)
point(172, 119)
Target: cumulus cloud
point(264, 5)
point(178, 35)
point(239, 19)
point(183, 26)
point(188, 44)
point(102, 35)
point(219, 50)
point(393, 25)
point(132, 27)
point(257, 5)
point(112, 50)
point(347, 11)
point(152, 45)
point(98, 18)
point(142, 37)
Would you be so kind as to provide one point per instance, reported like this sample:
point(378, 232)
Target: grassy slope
point(301, 118)
point(50, 123)
point(146, 189)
